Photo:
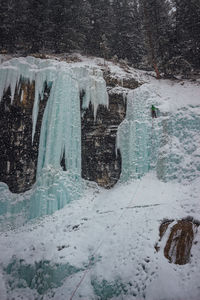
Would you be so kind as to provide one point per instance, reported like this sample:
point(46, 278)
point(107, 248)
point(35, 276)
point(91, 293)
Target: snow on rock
point(181, 235)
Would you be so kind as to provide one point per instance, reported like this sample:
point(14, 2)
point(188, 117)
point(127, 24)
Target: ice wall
point(137, 136)
point(61, 126)
point(169, 144)
point(178, 157)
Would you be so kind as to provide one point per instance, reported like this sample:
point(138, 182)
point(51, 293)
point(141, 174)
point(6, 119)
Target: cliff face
point(18, 161)
point(100, 162)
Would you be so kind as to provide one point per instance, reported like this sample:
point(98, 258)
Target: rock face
point(178, 246)
point(100, 162)
point(18, 160)
point(127, 82)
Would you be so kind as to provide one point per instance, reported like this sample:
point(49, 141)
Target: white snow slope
point(101, 246)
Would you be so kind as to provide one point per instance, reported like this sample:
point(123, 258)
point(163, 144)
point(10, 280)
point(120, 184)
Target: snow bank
point(111, 234)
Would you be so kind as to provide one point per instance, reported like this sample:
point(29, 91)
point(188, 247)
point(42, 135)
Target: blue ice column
point(60, 135)
point(134, 137)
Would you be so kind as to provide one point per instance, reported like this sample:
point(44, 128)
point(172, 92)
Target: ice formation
point(135, 135)
point(168, 144)
point(51, 71)
point(61, 125)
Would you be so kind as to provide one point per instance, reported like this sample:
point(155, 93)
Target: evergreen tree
point(127, 40)
point(33, 34)
point(70, 24)
point(163, 29)
point(101, 26)
point(83, 24)
point(157, 27)
point(7, 25)
point(187, 24)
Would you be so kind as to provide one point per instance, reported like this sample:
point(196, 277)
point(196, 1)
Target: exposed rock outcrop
point(18, 160)
point(180, 241)
point(100, 162)
point(126, 82)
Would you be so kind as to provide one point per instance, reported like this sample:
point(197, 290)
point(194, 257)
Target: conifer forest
point(146, 33)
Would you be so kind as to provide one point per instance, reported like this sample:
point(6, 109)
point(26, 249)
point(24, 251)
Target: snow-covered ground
point(105, 242)
point(102, 246)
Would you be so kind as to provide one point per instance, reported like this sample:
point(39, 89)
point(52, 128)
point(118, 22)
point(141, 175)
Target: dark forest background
point(159, 34)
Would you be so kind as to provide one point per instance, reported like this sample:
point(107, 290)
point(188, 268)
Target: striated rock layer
point(100, 160)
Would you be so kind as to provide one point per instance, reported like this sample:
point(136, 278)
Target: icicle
point(39, 88)
point(124, 96)
point(94, 86)
point(12, 82)
point(22, 96)
point(2, 82)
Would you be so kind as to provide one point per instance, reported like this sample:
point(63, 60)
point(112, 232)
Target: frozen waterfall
point(169, 144)
point(138, 137)
point(61, 126)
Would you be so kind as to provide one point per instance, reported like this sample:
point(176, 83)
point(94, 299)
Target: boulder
point(180, 241)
